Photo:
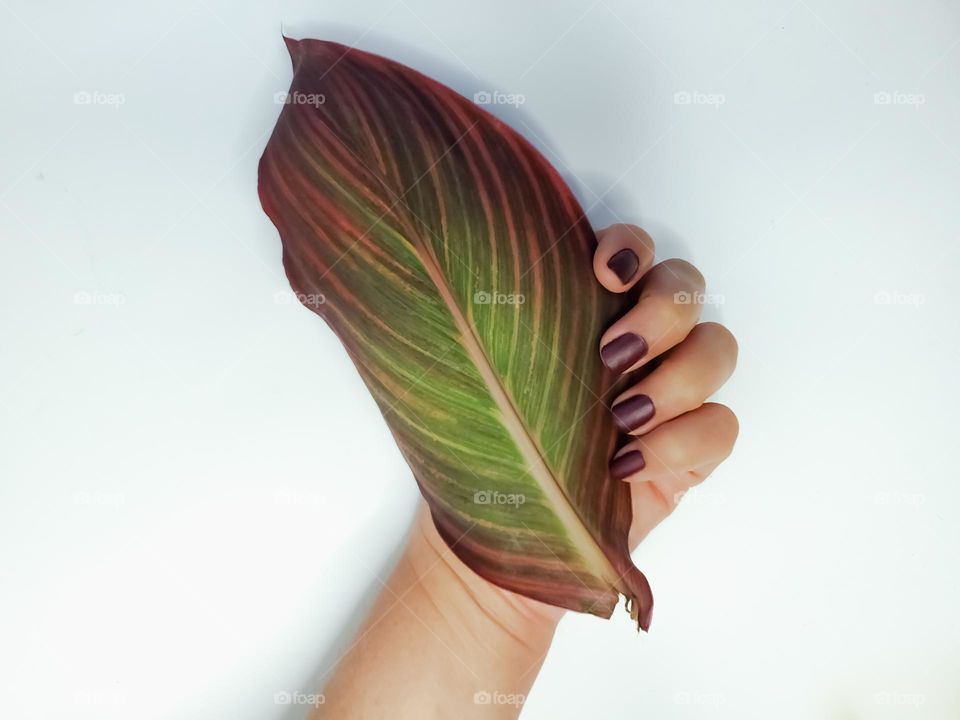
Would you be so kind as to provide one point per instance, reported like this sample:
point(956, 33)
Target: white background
point(197, 494)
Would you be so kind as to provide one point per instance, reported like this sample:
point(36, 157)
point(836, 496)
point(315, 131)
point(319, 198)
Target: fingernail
point(624, 263)
point(627, 464)
point(623, 352)
point(633, 412)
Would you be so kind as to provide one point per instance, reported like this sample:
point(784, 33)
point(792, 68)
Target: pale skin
point(442, 642)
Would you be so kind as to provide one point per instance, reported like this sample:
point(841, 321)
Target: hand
point(439, 635)
point(677, 438)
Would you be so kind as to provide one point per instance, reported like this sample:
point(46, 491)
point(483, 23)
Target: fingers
point(653, 501)
point(682, 453)
point(662, 317)
point(676, 451)
point(687, 376)
point(624, 254)
point(678, 440)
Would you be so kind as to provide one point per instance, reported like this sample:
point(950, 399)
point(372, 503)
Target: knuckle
point(688, 396)
point(626, 235)
point(635, 233)
point(672, 452)
point(686, 270)
point(669, 307)
point(722, 337)
point(675, 383)
point(726, 424)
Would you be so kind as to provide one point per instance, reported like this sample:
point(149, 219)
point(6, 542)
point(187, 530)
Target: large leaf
point(455, 266)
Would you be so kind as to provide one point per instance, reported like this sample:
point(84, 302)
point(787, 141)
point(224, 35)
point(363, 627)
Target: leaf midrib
point(539, 470)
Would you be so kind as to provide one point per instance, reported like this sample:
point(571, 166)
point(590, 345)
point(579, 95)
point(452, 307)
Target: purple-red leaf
point(455, 267)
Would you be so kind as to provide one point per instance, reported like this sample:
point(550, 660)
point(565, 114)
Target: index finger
point(624, 253)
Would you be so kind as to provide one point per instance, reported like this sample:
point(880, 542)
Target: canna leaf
point(455, 266)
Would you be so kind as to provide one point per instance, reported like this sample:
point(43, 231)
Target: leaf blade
point(406, 207)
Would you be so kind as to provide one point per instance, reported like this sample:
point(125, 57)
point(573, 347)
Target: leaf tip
point(640, 613)
point(294, 47)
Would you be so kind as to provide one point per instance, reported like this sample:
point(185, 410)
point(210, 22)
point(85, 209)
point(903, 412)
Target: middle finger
point(667, 310)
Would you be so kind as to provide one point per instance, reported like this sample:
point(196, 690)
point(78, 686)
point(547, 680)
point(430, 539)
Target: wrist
point(486, 610)
point(443, 639)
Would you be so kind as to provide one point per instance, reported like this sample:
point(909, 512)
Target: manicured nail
point(627, 464)
point(623, 352)
point(624, 264)
point(633, 412)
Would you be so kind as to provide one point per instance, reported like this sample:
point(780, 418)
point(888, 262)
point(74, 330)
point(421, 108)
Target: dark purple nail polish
point(624, 263)
point(627, 464)
point(633, 412)
point(621, 353)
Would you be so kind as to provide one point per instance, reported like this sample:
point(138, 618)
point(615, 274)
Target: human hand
point(474, 641)
point(676, 438)
point(673, 438)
